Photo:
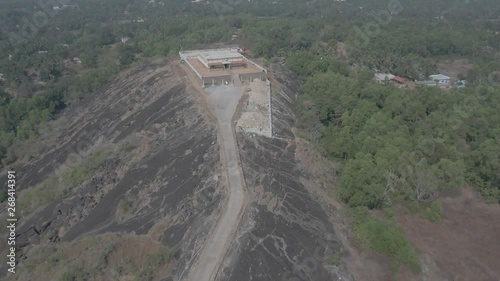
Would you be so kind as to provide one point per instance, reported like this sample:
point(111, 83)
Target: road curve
point(224, 100)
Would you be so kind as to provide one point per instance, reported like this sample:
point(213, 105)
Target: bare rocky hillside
point(138, 159)
point(129, 184)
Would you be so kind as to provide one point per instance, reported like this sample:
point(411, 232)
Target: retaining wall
point(251, 76)
point(270, 108)
point(219, 80)
point(193, 69)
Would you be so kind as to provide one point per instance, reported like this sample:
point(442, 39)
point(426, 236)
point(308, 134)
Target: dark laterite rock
point(164, 182)
point(287, 235)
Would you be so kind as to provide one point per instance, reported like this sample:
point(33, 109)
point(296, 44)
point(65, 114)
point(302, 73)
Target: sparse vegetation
point(434, 211)
point(56, 257)
point(39, 255)
point(100, 262)
point(94, 257)
point(126, 147)
point(333, 259)
point(389, 212)
point(385, 238)
point(73, 274)
point(152, 264)
point(3, 196)
point(414, 207)
point(124, 206)
point(59, 184)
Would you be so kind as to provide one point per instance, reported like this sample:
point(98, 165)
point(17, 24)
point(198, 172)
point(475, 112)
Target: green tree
point(3, 196)
point(434, 211)
point(126, 54)
point(361, 182)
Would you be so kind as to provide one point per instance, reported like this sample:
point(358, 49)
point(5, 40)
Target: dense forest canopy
point(393, 143)
point(409, 143)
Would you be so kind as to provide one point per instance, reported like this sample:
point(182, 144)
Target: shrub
point(124, 206)
point(3, 196)
point(153, 263)
point(102, 258)
point(434, 211)
point(389, 212)
point(73, 274)
point(385, 238)
point(414, 207)
point(334, 259)
point(56, 257)
point(55, 187)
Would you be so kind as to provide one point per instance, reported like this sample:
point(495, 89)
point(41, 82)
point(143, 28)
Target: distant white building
point(76, 7)
point(382, 77)
point(442, 81)
point(125, 39)
point(426, 83)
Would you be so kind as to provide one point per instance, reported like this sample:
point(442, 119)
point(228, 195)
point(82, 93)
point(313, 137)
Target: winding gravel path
point(224, 100)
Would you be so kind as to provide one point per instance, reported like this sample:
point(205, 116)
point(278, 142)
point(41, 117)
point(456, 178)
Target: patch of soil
point(453, 68)
point(465, 245)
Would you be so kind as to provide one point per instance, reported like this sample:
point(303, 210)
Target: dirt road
point(224, 100)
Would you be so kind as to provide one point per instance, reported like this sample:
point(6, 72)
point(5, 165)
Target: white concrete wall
point(219, 80)
point(270, 108)
point(193, 69)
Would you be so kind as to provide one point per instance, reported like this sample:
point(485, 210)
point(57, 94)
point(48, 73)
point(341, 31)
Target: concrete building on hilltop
point(222, 66)
point(221, 59)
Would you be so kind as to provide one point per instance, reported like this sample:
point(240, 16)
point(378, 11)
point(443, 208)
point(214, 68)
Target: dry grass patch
point(58, 185)
point(98, 258)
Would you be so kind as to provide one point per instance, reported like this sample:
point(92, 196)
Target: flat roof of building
point(383, 76)
point(427, 83)
point(205, 72)
point(439, 77)
point(212, 54)
point(220, 54)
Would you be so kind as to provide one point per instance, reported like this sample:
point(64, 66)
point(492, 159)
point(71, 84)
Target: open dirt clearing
point(464, 246)
point(453, 68)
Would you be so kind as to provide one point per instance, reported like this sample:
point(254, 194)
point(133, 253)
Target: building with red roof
point(398, 79)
